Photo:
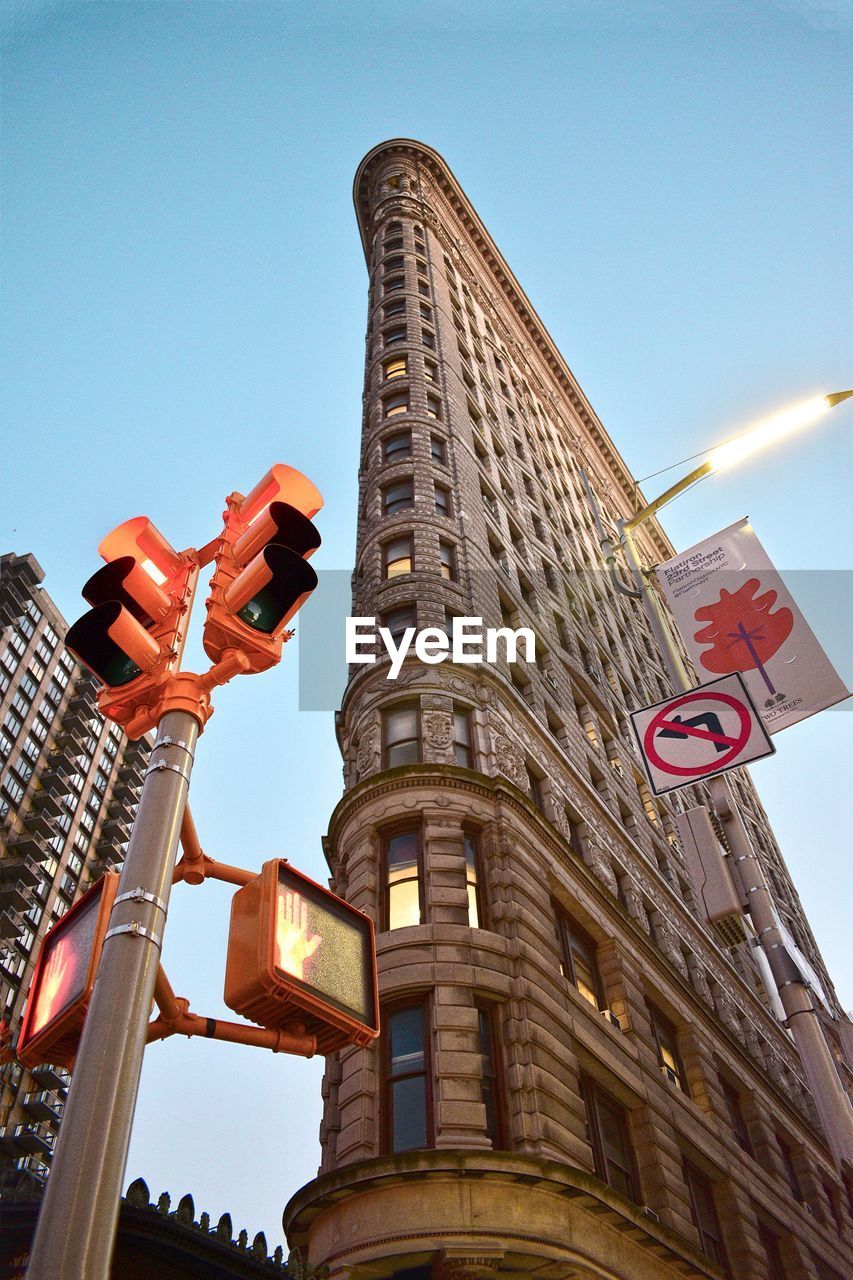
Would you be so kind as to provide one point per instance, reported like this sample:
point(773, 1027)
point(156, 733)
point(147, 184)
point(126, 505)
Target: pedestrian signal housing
point(299, 953)
point(64, 976)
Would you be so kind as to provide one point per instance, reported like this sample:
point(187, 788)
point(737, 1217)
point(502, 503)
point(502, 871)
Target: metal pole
point(830, 1098)
point(76, 1227)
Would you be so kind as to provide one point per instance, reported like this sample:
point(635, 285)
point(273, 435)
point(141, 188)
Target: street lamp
point(800, 1014)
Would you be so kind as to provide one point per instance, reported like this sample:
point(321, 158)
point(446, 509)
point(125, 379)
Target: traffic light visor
point(142, 540)
point(271, 589)
point(126, 581)
point(322, 946)
point(279, 523)
point(282, 484)
point(110, 642)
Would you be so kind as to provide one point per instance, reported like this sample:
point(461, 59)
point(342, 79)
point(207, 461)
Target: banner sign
point(735, 613)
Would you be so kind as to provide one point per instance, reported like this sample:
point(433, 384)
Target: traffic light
point(261, 577)
point(131, 637)
point(299, 953)
point(63, 979)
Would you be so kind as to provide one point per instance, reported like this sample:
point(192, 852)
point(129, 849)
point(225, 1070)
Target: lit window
point(398, 446)
point(608, 1136)
point(395, 369)
point(665, 1037)
point(579, 963)
point(402, 735)
point(404, 894)
point(446, 560)
point(462, 737)
point(472, 882)
point(397, 403)
point(437, 449)
point(430, 371)
point(442, 501)
point(433, 407)
point(490, 1079)
point(398, 557)
point(406, 1072)
point(399, 496)
point(705, 1214)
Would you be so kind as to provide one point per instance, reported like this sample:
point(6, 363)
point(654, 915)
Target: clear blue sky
point(185, 302)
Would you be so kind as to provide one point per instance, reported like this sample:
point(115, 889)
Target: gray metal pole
point(76, 1227)
point(830, 1098)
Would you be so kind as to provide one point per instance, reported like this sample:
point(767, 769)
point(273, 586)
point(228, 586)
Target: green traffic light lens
point(119, 669)
point(262, 612)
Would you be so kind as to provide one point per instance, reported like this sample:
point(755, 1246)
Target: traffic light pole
point(801, 1015)
point(76, 1227)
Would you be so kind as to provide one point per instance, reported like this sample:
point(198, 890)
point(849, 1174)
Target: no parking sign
point(699, 734)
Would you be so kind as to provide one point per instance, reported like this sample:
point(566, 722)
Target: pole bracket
point(136, 931)
point(140, 895)
point(173, 742)
point(164, 764)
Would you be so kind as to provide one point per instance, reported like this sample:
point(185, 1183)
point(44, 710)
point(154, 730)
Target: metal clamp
point(140, 895)
point(136, 931)
point(173, 742)
point(164, 764)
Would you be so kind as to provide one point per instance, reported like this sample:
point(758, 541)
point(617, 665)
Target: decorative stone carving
point(438, 729)
point(436, 702)
point(367, 759)
point(452, 1266)
point(509, 761)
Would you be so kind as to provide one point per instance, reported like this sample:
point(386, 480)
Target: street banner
point(735, 613)
point(698, 734)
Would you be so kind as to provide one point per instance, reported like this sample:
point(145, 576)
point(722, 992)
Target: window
point(399, 619)
point(462, 737)
point(395, 308)
point(788, 1166)
point(665, 1038)
point(398, 557)
point(398, 446)
point(704, 1214)
point(397, 403)
point(428, 339)
point(430, 371)
point(579, 963)
point(442, 501)
point(407, 1080)
point(472, 881)
point(573, 827)
point(433, 407)
point(402, 735)
point(393, 264)
point(446, 560)
point(395, 368)
point(438, 450)
point(772, 1253)
point(537, 794)
point(738, 1123)
point(400, 334)
point(490, 1081)
point(403, 880)
point(399, 496)
point(607, 1124)
point(391, 286)
point(426, 312)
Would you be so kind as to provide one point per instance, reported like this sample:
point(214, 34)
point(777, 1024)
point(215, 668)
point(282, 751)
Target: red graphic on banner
point(743, 631)
point(667, 726)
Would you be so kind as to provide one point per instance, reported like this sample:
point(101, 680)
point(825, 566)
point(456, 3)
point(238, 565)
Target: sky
point(185, 303)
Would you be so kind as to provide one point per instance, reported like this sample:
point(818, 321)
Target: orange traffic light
point(299, 953)
point(262, 578)
point(132, 635)
point(63, 979)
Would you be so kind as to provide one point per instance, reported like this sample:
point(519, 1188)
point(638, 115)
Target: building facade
point(68, 793)
point(577, 1077)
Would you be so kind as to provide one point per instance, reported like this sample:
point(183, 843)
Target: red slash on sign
point(678, 728)
point(664, 726)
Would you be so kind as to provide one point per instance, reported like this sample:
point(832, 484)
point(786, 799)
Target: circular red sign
point(737, 744)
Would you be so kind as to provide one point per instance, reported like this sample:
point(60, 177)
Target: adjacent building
point(577, 1076)
point(68, 791)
